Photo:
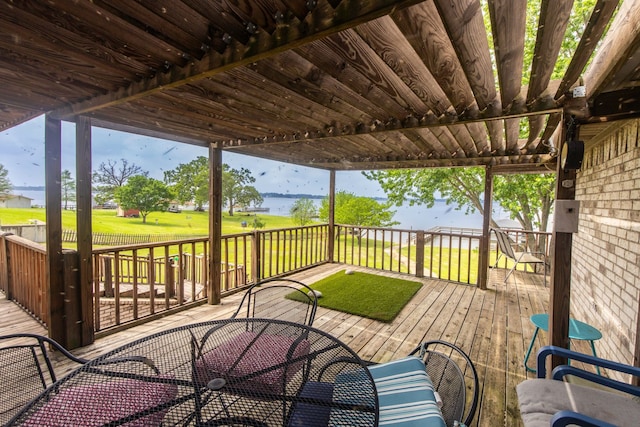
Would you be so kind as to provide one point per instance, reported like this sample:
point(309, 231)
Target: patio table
point(577, 331)
point(257, 372)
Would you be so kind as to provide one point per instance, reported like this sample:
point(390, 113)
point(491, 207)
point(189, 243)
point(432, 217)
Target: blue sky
point(22, 154)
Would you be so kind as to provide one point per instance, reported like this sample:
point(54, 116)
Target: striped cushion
point(406, 396)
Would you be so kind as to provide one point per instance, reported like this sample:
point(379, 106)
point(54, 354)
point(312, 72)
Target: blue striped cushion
point(405, 394)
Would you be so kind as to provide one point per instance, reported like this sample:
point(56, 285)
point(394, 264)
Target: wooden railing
point(23, 275)
point(119, 239)
point(134, 282)
point(439, 253)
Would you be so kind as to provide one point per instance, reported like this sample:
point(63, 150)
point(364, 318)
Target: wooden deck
point(492, 326)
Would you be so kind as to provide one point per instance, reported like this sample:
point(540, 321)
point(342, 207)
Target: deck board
point(492, 326)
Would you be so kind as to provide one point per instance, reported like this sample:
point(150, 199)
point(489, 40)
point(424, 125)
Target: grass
point(367, 295)
point(186, 222)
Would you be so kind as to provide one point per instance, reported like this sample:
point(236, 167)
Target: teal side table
point(577, 331)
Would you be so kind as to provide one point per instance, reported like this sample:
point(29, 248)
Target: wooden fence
point(138, 281)
point(23, 275)
point(446, 254)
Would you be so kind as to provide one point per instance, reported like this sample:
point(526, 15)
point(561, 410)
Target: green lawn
point(186, 222)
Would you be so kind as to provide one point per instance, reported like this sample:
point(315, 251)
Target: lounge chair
point(505, 244)
point(596, 401)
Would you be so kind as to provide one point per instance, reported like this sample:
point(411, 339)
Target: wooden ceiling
point(335, 84)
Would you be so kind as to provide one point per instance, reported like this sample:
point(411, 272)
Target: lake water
point(409, 217)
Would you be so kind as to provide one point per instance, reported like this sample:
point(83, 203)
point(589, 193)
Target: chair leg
point(497, 260)
point(526, 357)
point(510, 271)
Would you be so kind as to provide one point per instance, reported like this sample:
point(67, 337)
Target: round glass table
point(240, 372)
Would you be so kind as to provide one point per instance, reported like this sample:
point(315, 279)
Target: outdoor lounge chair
point(259, 299)
point(506, 245)
point(557, 402)
point(26, 370)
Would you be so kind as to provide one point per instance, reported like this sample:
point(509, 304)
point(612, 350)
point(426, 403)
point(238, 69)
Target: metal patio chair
point(435, 386)
point(506, 245)
point(258, 301)
point(26, 370)
point(575, 396)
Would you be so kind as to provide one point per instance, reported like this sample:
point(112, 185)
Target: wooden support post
point(332, 209)
point(84, 228)
point(53, 201)
point(215, 223)
point(256, 259)
point(419, 253)
point(5, 256)
point(485, 247)
point(108, 277)
point(72, 303)
point(560, 298)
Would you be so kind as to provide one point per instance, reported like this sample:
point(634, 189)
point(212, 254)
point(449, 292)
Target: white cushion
point(540, 399)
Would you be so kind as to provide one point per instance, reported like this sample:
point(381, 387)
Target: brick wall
point(606, 250)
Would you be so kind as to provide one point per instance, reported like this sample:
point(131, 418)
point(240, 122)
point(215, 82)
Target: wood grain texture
point(465, 27)
point(425, 31)
point(621, 40)
point(508, 22)
point(554, 17)
point(601, 16)
point(54, 297)
point(329, 82)
point(386, 39)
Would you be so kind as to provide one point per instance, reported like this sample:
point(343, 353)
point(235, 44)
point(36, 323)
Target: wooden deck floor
point(492, 326)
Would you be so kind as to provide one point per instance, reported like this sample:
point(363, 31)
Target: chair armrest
point(546, 351)
point(563, 370)
point(565, 418)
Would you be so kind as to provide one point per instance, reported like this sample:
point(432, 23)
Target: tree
point(303, 211)
point(527, 197)
point(68, 185)
point(190, 181)
point(249, 196)
point(5, 184)
point(144, 194)
point(111, 176)
point(358, 210)
point(235, 188)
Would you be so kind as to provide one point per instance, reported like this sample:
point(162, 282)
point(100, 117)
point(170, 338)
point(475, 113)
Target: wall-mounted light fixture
point(571, 155)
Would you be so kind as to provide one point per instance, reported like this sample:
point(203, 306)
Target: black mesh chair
point(259, 301)
point(25, 361)
point(454, 377)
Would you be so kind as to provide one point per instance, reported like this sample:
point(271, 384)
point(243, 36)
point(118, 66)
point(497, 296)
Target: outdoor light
point(571, 155)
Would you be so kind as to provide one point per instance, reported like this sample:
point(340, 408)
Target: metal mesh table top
point(258, 372)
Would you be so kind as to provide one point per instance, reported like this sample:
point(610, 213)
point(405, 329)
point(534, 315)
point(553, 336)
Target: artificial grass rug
point(367, 295)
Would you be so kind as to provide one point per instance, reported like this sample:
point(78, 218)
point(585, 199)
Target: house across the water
point(14, 201)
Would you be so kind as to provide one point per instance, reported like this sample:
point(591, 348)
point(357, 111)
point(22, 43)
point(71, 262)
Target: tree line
point(528, 198)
